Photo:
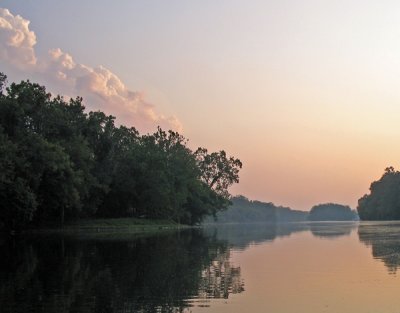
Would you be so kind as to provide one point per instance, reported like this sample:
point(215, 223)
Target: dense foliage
point(244, 210)
point(332, 212)
point(59, 163)
point(383, 202)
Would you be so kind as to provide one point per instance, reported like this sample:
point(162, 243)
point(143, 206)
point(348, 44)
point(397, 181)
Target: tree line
point(59, 163)
point(244, 210)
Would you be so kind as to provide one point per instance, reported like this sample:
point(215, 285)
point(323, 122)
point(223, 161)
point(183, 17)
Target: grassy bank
point(113, 225)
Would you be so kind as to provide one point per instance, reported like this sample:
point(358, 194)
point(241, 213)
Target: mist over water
point(298, 267)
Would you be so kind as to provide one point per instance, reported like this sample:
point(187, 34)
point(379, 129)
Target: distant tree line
point(383, 201)
point(59, 163)
point(244, 210)
point(332, 212)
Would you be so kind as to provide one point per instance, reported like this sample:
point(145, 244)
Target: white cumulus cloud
point(16, 40)
point(100, 88)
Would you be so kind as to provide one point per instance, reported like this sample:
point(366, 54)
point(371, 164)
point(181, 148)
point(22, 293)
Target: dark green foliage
point(244, 210)
point(383, 202)
point(17, 200)
point(332, 212)
point(58, 164)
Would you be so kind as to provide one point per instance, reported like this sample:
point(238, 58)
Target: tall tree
point(217, 170)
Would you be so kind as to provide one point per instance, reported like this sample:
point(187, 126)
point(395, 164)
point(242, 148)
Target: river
point(279, 268)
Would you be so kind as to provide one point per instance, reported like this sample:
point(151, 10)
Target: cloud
point(100, 88)
point(16, 40)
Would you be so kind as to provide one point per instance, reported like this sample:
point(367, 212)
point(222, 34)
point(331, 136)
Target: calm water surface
point(317, 267)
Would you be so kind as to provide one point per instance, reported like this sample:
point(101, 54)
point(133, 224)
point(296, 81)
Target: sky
point(306, 93)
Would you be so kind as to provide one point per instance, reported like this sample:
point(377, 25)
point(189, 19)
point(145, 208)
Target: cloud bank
point(100, 88)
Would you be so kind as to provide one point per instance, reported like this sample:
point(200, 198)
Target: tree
point(167, 170)
point(3, 82)
point(217, 170)
point(17, 200)
point(383, 202)
point(120, 199)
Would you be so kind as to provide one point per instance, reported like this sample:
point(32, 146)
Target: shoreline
point(108, 226)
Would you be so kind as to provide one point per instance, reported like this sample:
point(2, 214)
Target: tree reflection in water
point(220, 278)
point(156, 274)
point(332, 230)
point(162, 273)
point(384, 239)
point(240, 236)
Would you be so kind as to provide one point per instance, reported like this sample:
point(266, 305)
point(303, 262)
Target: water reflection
point(332, 230)
point(156, 274)
point(240, 236)
point(179, 271)
point(220, 279)
point(384, 239)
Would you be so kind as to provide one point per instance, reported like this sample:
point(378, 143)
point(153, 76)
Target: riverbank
point(110, 226)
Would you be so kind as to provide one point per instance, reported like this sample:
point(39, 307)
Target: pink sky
point(305, 94)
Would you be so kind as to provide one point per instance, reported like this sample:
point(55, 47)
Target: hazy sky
point(306, 93)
